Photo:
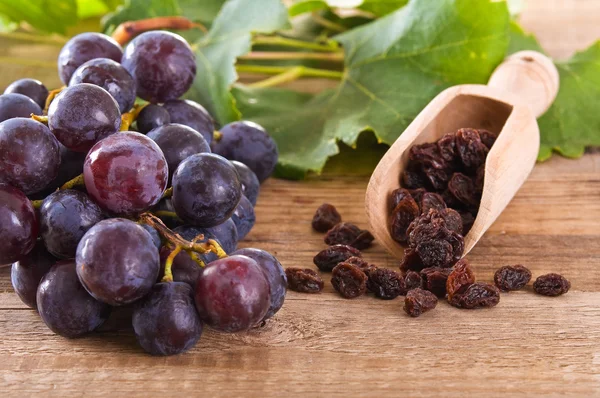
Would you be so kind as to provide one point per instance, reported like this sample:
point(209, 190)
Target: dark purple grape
point(162, 64)
point(244, 217)
point(191, 114)
point(232, 294)
point(82, 115)
point(18, 224)
point(84, 47)
point(250, 144)
point(274, 273)
point(178, 142)
point(17, 105)
point(117, 261)
point(206, 190)
point(151, 117)
point(27, 273)
point(184, 269)
point(154, 234)
point(109, 75)
point(64, 305)
point(65, 216)
point(249, 180)
point(166, 321)
point(31, 88)
point(126, 173)
point(29, 154)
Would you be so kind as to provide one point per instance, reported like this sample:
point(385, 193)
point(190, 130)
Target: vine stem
point(128, 30)
point(286, 74)
point(327, 23)
point(51, 95)
point(278, 56)
point(329, 46)
point(168, 276)
point(75, 182)
point(128, 118)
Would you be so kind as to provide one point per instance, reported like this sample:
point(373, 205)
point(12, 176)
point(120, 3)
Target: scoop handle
point(531, 77)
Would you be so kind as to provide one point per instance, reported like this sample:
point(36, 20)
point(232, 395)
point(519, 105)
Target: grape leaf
point(382, 7)
point(304, 6)
point(229, 37)
point(521, 40)
point(133, 10)
point(376, 7)
point(48, 16)
point(394, 67)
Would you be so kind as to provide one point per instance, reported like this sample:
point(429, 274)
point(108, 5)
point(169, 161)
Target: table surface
point(323, 345)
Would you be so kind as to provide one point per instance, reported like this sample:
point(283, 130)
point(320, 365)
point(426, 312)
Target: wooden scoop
point(520, 89)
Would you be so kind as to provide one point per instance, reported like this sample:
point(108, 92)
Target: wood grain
point(325, 346)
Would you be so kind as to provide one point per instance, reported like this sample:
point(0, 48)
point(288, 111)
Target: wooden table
point(323, 345)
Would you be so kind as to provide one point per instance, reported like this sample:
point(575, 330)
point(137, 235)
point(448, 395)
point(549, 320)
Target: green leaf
point(95, 8)
point(229, 38)
point(394, 67)
point(203, 11)
point(521, 40)
point(133, 10)
point(382, 7)
point(304, 6)
point(48, 16)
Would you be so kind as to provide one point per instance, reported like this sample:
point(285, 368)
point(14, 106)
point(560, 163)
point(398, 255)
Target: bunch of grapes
point(105, 202)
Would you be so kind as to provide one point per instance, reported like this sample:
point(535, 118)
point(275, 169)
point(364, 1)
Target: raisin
point(453, 220)
point(479, 180)
point(417, 194)
point(326, 218)
point(404, 214)
point(397, 196)
point(458, 246)
point(412, 179)
point(463, 189)
point(467, 221)
point(461, 275)
point(435, 253)
point(411, 260)
point(304, 280)
point(487, 138)
point(349, 234)
point(471, 150)
point(427, 156)
point(451, 201)
point(412, 280)
point(512, 277)
point(430, 226)
point(385, 283)
point(326, 259)
point(476, 295)
point(551, 285)
point(361, 264)
point(349, 280)
point(447, 147)
point(418, 301)
point(437, 178)
point(434, 280)
point(432, 200)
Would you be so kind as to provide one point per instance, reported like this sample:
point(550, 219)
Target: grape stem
point(168, 193)
point(286, 74)
point(51, 95)
point(128, 30)
point(165, 214)
point(168, 276)
point(75, 182)
point(217, 135)
point(328, 46)
point(327, 23)
point(278, 56)
point(37, 203)
point(128, 118)
point(41, 119)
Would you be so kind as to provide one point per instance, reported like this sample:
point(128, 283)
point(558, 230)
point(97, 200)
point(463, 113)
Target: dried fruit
point(447, 147)
point(432, 200)
point(385, 283)
point(461, 275)
point(397, 195)
point(434, 280)
point(512, 277)
point(411, 260)
point(404, 214)
point(435, 253)
point(349, 234)
point(304, 280)
point(412, 179)
point(467, 222)
point(327, 259)
point(417, 194)
point(551, 285)
point(471, 150)
point(412, 280)
point(427, 155)
point(349, 280)
point(362, 264)
point(487, 138)
point(476, 295)
point(453, 220)
point(437, 178)
point(430, 226)
point(326, 218)
point(463, 189)
point(418, 301)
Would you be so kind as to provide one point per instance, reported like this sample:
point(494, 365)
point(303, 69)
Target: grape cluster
point(105, 202)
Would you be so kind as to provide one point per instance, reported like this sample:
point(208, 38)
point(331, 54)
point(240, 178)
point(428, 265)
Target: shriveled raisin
point(427, 155)
point(512, 277)
point(430, 226)
point(453, 220)
point(417, 194)
point(476, 295)
point(304, 280)
point(327, 259)
point(412, 179)
point(487, 138)
point(411, 260)
point(326, 218)
point(397, 195)
point(461, 275)
point(437, 178)
point(479, 180)
point(463, 189)
point(412, 280)
point(362, 264)
point(434, 280)
point(432, 200)
point(458, 246)
point(385, 283)
point(467, 221)
point(435, 253)
point(418, 301)
point(471, 150)
point(349, 280)
point(551, 285)
point(349, 234)
point(447, 147)
point(404, 214)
